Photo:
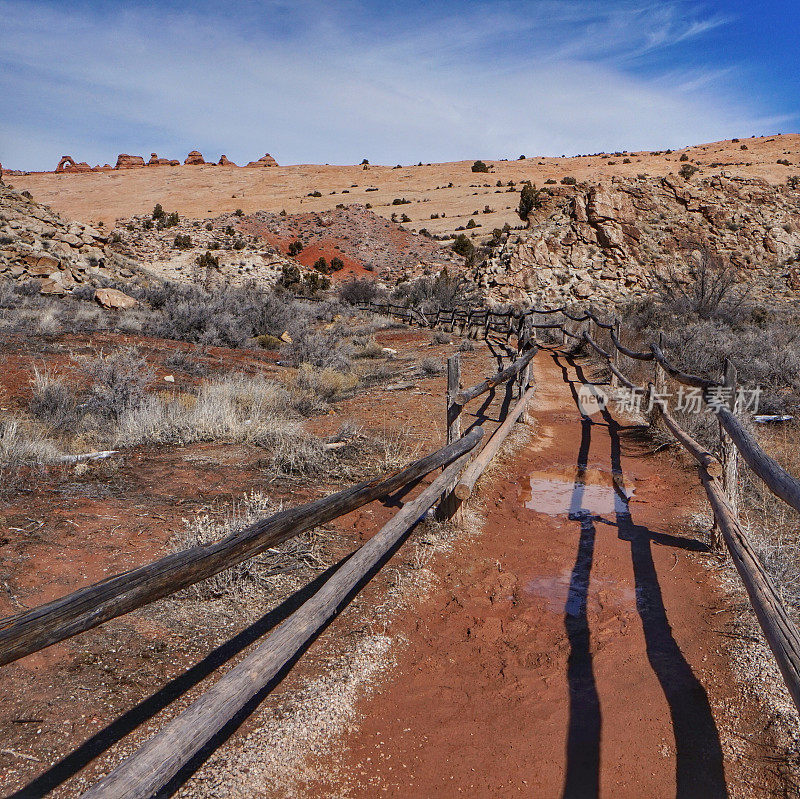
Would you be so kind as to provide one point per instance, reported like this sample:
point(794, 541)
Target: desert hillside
point(442, 196)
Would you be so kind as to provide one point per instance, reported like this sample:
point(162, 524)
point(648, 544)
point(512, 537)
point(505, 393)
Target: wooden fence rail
point(779, 630)
point(88, 607)
point(150, 768)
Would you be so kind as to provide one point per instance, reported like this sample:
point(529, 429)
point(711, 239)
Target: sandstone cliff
point(608, 241)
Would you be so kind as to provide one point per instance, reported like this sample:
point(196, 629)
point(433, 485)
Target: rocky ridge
point(37, 244)
point(254, 246)
point(610, 241)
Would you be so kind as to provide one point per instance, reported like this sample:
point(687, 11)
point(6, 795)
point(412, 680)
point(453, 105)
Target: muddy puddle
point(561, 597)
point(576, 493)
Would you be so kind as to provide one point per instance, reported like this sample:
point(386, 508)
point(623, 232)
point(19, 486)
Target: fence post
point(524, 379)
point(449, 504)
point(486, 324)
point(730, 462)
point(659, 384)
point(615, 356)
point(453, 387)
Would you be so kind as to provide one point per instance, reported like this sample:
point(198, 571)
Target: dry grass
point(326, 383)
point(24, 444)
point(236, 408)
point(257, 581)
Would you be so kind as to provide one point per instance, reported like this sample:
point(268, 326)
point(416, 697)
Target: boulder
point(125, 161)
point(265, 160)
point(48, 286)
point(114, 299)
point(195, 158)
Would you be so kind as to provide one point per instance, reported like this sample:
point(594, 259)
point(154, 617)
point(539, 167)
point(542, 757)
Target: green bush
point(464, 247)
point(158, 212)
point(687, 170)
point(529, 199)
point(480, 166)
point(183, 241)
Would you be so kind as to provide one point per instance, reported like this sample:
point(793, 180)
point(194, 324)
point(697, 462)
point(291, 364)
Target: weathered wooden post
point(449, 504)
point(615, 356)
point(730, 461)
point(525, 374)
point(453, 387)
point(659, 384)
point(487, 323)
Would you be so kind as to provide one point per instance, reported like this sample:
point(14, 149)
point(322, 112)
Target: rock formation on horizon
point(68, 164)
point(125, 161)
point(195, 158)
point(265, 160)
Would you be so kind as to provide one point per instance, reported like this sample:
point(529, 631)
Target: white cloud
point(309, 83)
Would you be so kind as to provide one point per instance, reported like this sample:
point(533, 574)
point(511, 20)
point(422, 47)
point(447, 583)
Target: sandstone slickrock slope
point(606, 241)
point(37, 244)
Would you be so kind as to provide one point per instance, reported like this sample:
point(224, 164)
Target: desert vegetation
point(706, 314)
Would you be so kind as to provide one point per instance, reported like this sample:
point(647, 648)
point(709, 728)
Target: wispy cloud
point(313, 81)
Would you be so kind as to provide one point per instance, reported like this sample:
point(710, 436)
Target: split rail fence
point(718, 475)
point(145, 772)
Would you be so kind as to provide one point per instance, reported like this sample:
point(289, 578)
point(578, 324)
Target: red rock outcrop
point(195, 158)
point(68, 164)
point(125, 161)
point(225, 161)
point(265, 160)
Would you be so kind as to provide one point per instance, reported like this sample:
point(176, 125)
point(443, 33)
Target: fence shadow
point(582, 772)
point(699, 761)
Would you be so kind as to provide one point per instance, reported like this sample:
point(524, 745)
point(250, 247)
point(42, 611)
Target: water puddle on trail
point(576, 493)
point(555, 591)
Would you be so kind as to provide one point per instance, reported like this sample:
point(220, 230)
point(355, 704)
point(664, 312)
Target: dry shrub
point(370, 349)
point(323, 349)
point(22, 444)
point(254, 579)
point(54, 403)
point(312, 384)
point(119, 382)
point(431, 366)
point(237, 408)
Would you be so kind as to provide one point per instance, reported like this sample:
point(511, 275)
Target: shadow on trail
point(699, 761)
point(582, 775)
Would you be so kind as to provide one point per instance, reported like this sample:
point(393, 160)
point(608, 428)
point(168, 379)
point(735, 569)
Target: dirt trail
point(575, 648)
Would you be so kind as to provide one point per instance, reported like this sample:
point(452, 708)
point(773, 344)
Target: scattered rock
point(114, 299)
point(609, 242)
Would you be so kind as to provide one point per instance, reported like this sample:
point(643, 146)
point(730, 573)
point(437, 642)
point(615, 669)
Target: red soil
point(572, 655)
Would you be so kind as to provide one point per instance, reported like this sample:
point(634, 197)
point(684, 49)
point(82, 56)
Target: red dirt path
point(572, 655)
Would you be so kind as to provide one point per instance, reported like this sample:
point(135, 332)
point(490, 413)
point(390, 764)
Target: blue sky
point(335, 82)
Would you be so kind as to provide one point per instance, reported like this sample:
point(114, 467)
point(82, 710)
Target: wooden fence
point(718, 475)
point(158, 760)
